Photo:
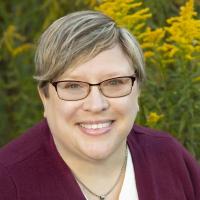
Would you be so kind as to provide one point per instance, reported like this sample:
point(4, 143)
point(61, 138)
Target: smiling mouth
point(96, 128)
point(96, 125)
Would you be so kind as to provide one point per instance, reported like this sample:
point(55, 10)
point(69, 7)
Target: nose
point(95, 101)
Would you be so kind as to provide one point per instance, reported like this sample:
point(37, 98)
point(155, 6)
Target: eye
point(115, 82)
point(70, 85)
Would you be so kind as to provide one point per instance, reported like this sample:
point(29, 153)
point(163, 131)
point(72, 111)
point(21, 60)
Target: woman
point(89, 74)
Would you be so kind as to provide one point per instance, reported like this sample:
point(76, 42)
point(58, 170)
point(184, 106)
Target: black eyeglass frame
point(55, 83)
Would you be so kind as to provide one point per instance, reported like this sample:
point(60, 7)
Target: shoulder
point(162, 147)
point(149, 132)
point(25, 146)
point(159, 143)
point(20, 160)
point(163, 154)
point(148, 137)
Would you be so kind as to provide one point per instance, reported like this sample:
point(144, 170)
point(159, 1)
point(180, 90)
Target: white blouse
point(129, 189)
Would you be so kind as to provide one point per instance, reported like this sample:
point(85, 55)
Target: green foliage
point(21, 23)
point(173, 86)
point(175, 95)
point(162, 9)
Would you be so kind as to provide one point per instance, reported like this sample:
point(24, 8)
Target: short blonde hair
point(78, 37)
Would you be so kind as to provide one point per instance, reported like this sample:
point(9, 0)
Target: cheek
point(129, 104)
point(126, 109)
point(130, 111)
point(59, 110)
point(61, 118)
point(67, 111)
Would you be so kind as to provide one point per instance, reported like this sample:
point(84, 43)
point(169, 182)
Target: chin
point(95, 153)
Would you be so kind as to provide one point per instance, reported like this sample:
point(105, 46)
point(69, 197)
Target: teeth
point(96, 126)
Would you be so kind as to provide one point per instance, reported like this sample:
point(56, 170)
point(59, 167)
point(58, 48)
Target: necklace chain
point(102, 197)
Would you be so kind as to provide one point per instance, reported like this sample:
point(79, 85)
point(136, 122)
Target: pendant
point(102, 197)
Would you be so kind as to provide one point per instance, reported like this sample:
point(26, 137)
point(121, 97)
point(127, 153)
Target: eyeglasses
point(69, 90)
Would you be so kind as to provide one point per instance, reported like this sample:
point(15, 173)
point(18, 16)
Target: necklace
point(103, 197)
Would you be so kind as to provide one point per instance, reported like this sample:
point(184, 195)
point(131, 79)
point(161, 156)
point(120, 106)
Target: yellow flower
point(169, 50)
point(196, 79)
point(127, 13)
point(22, 48)
point(91, 3)
point(184, 32)
point(11, 39)
point(154, 36)
point(153, 118)
point(148, 54)
point(151, 41)
point(180, 39)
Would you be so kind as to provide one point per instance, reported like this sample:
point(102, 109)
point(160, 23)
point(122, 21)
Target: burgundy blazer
point(32, 169)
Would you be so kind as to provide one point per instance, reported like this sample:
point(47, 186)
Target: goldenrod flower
point(11, 37)
point(196, 79)
point(148, 54)
point(184, 33)
point(153, 118)
point(151, 40)
point(168, 49)
point(22, 48)
point(180, 39)
point(127, 13)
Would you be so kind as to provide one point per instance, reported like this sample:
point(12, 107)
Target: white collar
point(129, 189)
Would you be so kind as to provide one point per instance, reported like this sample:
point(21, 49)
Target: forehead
point(109, 63)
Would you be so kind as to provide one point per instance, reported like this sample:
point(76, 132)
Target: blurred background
point(168, 31)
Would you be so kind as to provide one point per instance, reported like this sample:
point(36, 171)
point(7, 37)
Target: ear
point(43, 99)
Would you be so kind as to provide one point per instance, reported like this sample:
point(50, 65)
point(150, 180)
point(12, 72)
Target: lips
point(96, 128)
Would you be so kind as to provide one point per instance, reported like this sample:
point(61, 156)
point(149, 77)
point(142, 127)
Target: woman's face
point(74, 123)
